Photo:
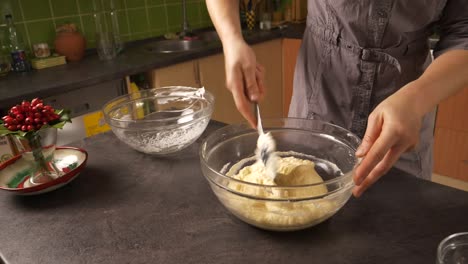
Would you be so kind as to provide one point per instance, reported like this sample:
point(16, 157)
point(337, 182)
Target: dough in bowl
point(274, 214)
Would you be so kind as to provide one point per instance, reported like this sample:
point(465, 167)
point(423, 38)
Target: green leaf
point(64, 118)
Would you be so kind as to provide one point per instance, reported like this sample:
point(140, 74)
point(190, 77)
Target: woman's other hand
point(393, 128)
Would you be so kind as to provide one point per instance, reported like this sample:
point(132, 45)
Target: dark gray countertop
point(89, 71)
point(128, 207)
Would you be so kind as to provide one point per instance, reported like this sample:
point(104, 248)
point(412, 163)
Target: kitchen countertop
point(129, 207)
point(90, 70)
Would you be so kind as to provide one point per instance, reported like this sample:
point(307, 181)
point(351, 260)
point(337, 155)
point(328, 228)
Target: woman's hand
point(244, 77)
point(393, 128)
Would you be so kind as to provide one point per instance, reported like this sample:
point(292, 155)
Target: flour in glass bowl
point(163, 141)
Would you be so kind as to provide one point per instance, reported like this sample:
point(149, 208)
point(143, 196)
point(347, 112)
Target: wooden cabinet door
point(451, 137)
point(451, 153)
point(213, 78)
point(290, 52)
point(269, 55)
point(182, 74)
point(452, 113)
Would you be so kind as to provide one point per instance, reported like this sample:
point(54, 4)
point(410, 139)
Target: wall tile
point(138, 36)
point(89, 27)
point(117, 4)
point(41, 31)
point(157, 33)
point(73, 19)
point(154, 2)
point(204, 15)
point(123, 23)
point(135, 3)
point(157, 17)
point(64, 7)
point(174, 15)
point(138, 20)
point(89, 6)
point(35, 9)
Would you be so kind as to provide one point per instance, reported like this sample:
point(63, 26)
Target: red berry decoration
point(30, 116)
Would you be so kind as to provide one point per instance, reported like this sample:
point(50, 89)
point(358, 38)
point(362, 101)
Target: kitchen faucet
point(186, 30)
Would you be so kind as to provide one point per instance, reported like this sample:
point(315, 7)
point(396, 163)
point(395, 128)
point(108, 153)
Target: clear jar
point(108, 39)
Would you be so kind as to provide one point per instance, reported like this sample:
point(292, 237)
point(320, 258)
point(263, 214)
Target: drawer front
point(451, 153)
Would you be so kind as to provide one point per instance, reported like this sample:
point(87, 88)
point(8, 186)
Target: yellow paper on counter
point(95, 124)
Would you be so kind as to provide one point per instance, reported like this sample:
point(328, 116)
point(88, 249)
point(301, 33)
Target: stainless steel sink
point(210, 36)
point(203, 39)
point(171, 46)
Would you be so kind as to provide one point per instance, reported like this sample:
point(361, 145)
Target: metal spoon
point(266, 147)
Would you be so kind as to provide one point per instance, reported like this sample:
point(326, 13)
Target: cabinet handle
point(196, 73)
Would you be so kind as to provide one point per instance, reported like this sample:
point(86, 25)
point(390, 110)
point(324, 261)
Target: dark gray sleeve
point(453, 27)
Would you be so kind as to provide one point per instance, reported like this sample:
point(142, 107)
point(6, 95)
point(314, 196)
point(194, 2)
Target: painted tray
point(14, 173)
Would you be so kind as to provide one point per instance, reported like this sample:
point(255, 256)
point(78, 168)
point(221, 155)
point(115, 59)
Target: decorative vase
point(70, 43)
point(38, 150)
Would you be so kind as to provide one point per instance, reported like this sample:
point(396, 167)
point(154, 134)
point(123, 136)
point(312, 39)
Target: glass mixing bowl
point(161, 120)
point(453, 249)
point(282, 208)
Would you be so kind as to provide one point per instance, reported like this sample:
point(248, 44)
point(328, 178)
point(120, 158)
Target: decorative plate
point(14, 173)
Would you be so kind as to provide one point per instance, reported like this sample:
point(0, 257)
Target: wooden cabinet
point(182, 74)
point(451, 137)
point(210, 73)
point(213, 78)
point(290, 52)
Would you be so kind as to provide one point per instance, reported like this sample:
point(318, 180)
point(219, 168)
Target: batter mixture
point(279, 214)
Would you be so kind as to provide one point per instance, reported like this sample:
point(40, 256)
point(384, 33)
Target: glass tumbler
point(453, 249)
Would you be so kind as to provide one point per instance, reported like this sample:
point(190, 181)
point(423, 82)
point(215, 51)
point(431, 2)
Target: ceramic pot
point(70, 44)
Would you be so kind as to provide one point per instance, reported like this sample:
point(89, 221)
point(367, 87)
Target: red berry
point(8, 119)
point(12, 128)
point(24, 128)
point(44, 122)
point(14, 121)
point(28, 120)
point(19, 117)
point(5, 117)
point(14, 109)
point(25, 104)
point(35, 101)
point(18, 126)
point(30, 127)
point(37, 120)
point(38, 115)
point(38, 126)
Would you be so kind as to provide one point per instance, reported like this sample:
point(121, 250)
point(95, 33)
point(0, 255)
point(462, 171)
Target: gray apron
point(355, 54)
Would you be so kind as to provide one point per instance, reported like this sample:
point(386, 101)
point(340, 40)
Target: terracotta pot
point(70, 44)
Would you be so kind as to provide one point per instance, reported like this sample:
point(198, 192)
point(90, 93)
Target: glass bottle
point(19, 60)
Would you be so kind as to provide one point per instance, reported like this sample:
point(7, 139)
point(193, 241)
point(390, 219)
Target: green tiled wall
point(36, 20)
